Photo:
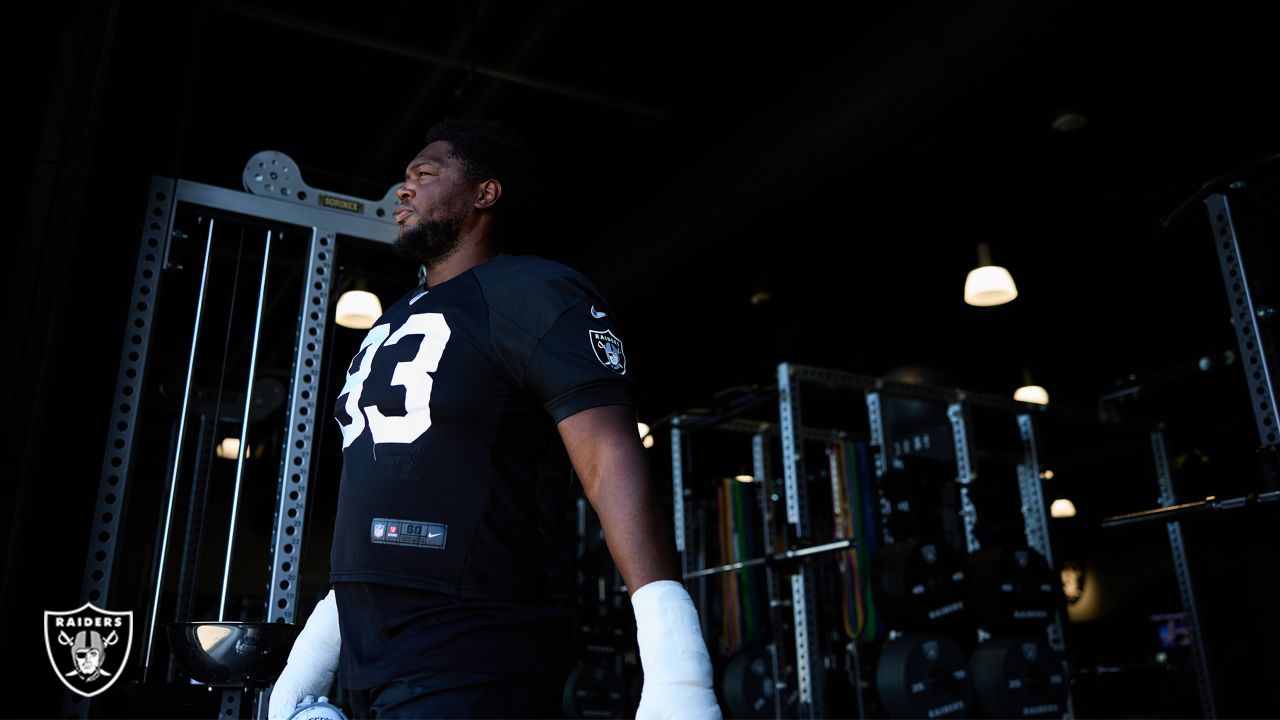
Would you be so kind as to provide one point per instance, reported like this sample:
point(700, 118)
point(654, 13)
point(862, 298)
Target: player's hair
point(487, 150)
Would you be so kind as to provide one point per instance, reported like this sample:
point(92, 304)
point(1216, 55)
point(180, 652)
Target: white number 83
point(412, 375)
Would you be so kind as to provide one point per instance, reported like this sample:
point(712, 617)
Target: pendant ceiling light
point(357, 309)
point(1030, 392)
point(988, 284)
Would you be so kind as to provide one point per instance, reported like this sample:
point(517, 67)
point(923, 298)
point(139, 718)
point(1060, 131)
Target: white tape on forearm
point(320, 640)
point(672, 650)
point(313, 660)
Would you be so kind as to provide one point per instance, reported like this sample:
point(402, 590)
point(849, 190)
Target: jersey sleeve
point(580, 362)
point(555, 337)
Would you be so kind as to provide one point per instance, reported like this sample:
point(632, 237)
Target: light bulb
point(1032, 394)
point(989, 285)
point(229, 449)
point(1062, 508)
point(358, 310)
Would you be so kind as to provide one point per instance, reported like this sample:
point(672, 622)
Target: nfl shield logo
point(608, 349)
point(379, 529)
point(88, 647)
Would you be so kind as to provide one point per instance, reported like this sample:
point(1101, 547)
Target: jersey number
point(412, 375)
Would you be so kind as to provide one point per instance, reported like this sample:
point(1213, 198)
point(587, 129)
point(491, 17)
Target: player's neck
point(467, 256)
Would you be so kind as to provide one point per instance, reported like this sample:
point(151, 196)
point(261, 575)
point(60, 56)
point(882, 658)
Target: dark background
point(845, 159)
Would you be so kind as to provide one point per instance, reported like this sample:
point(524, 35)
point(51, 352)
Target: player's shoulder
point(531, 285)
point(528, 272)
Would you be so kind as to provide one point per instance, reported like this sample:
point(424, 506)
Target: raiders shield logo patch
point(608, 349)
point(88, 646)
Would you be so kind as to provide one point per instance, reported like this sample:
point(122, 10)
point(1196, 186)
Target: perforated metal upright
point(879, 441)
point(274, 191)
point(1254, 337)
point(1186, 587)
point(1036, 523)
point(809, 670)
point(962, 436)
point(762, 466)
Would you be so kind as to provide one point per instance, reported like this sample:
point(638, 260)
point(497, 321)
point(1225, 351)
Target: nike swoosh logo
point(431, 535)
point(596, 313)
point(415, 297)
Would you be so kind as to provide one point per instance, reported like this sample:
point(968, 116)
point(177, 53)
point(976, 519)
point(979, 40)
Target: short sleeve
point(581, 362)
point(553, 336)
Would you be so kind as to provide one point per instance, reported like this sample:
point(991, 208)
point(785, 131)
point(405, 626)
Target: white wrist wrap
point(672, 651)
point(313, 661)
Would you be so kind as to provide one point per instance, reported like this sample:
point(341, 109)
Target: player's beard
point(430, 241)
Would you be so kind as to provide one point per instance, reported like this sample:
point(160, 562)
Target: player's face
point(436, 202)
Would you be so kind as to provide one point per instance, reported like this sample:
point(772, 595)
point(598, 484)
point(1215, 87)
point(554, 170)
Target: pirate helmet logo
point(93, 637)
point(608, 350)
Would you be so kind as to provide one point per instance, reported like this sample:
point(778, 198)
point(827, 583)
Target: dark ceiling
point(844, 158)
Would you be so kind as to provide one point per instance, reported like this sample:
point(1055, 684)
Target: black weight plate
point(1019, 677)
point(921, 584)
point(1012, 590)
point(923, 676)
point(748, 685)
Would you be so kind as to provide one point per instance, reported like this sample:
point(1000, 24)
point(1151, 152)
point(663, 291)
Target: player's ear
point(488, 194)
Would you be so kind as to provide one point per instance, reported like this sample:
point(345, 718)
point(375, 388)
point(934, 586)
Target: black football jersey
point(448, 409)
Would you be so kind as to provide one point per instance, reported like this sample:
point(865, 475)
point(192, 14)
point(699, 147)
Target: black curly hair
point(486, 149)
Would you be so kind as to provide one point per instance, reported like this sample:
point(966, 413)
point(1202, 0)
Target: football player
point(452, 586)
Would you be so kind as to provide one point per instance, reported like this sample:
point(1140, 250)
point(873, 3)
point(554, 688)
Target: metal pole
point(763, 467)
point(1199, 658)
point(177, 456)
point(1036, 522)
point(1248, 319)
point(880, 450)
point(809, 677)
point(958, 416)
point(677, 488)
point(244, 431)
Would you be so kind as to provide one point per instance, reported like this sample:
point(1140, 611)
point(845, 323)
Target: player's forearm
point(611, 463)
point(639, 540)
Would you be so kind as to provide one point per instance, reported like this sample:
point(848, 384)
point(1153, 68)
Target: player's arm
point(313, 661)
point(606, 452)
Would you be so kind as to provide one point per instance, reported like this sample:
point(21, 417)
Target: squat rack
point(274, 192)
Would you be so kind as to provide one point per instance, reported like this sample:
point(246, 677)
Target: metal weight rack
point(274, 195)
point(1254, 338)
point(878, 394)
point(798, 670)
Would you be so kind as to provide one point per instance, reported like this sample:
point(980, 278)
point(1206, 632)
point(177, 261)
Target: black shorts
point(463, 695)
